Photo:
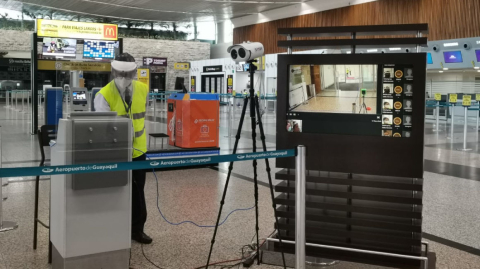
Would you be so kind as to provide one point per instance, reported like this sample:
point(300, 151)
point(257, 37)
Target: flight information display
point(99, 49)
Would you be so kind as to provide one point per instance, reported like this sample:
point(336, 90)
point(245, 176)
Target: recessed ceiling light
point(395, 48)
point(445, 68)
point(476, 67)
point(372, 50)
point(440, 71)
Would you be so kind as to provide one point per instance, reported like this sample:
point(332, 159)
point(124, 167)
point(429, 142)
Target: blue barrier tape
point(155, 164)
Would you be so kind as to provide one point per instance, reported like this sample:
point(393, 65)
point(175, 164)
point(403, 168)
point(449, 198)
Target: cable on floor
point(189, 221)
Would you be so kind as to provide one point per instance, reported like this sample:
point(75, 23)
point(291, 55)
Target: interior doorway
point(213, 83)
point(158, 81)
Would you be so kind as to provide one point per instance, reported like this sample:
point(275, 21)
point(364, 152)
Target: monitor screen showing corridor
point(333, 88)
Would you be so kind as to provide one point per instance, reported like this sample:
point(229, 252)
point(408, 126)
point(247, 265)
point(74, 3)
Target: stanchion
point(437, 116)
point(7, 98)
point(28, 102)
point(300, 193)
point(452, 115)
point(230, 116)
point(16, 100)
point(154, 107)
point(23, 101)
point(465, 132)
point(4, 225)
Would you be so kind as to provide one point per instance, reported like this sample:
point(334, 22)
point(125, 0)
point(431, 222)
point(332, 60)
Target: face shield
point(123, 73)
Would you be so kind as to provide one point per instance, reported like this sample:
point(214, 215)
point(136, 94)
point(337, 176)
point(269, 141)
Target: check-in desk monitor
point(79, 99)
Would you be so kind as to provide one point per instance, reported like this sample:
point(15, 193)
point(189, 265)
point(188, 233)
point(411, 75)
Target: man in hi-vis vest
point(128, 98)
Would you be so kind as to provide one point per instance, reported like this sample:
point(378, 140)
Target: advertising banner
point(77, 30)
point(143, 76)
point(230, 84)
point(155, 61)
point(193, 85)
point(66, 66)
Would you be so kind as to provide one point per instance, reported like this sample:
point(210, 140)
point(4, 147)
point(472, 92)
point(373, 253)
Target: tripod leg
point(230, 168)
point(267, 164)
point(253, 108)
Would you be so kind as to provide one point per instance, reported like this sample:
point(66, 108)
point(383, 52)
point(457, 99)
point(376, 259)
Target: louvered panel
point(376, 213)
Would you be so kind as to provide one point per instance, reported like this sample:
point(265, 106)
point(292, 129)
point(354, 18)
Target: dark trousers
point(139, 207)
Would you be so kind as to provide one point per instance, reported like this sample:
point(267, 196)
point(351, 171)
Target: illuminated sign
point(66, 66)
point(80, 30)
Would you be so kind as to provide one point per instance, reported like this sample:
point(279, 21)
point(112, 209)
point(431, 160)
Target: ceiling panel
point(155, 10)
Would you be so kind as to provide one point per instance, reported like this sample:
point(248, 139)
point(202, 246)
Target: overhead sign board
point(213, 68)
point(78, 30)
point(66, 66)
point(149, 61)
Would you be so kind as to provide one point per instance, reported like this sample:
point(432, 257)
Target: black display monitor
point(360, 109)
point(179, 83)
point(366, 99)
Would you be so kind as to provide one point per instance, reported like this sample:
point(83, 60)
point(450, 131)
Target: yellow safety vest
point(137, 111)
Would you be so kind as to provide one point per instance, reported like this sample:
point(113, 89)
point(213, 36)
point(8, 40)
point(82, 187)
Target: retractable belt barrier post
point(466, 104)
point(300, 193)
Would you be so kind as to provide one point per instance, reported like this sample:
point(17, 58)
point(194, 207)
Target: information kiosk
point(79, 100)
point(91, 213)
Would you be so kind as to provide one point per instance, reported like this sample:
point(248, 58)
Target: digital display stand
point(364, 148)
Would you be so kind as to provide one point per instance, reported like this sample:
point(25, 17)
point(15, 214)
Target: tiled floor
point(195, 194)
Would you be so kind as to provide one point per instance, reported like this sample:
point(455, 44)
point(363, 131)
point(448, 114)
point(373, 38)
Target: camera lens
point(234, 54)
point(242, 52)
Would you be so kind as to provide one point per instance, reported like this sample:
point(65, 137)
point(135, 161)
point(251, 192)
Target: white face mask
point(123, 83)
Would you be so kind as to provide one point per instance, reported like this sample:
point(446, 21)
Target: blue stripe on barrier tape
point(156, 164)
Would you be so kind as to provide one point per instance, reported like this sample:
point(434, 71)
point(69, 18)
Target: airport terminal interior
point(240, 134)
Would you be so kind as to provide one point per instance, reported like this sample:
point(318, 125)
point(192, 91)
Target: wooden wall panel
point(447, 19)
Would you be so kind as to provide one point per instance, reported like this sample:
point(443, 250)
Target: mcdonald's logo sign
point(110, 31)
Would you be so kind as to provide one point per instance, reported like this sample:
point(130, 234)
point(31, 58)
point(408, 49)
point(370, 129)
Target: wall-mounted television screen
point(99, 49)
point(429, 58)
point(63, 47)
point(477, 52)
point(453, 57)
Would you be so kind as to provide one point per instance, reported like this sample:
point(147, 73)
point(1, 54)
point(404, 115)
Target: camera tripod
point(363, 106)
point(254, 110)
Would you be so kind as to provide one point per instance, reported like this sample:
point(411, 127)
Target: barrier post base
point(8, 226)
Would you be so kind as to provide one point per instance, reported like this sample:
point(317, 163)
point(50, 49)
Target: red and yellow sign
point(78, 30)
